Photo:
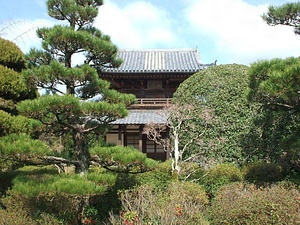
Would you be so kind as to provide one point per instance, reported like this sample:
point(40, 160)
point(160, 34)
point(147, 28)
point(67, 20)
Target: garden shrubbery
point(180, 203)
point(223, 194)
point(262, 172)
point(241, 203)
point(67, 198)
point(219, 175)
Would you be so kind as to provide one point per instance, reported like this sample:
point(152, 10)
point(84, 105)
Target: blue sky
point(230, 31)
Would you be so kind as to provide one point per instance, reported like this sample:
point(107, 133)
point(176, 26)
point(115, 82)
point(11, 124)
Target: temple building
point(152, 76)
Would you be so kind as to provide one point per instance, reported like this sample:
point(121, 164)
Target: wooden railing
point(151, 102)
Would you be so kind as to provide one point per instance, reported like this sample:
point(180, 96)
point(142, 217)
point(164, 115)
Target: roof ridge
point(179, 60)
point(159, 50)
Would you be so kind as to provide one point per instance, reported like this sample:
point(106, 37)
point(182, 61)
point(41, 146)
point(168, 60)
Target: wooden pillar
point(141, 128)
point(120, 133)
point(125, 135)
point(167, 89)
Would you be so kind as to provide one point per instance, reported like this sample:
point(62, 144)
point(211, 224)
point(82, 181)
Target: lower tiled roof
point(144, 117)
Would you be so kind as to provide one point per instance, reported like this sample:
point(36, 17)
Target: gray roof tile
point(158, 60)
point(143, 117)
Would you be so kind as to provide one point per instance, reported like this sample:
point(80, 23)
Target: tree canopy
point(286, 14)
point(223, 114)
point(275, 84)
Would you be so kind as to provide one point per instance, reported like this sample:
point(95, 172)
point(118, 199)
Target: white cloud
point(238, 31)
point(227, 30)
point(137, 25)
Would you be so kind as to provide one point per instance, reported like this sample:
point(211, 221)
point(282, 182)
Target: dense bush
point(219, 175)
point(16, 216)
point(11, 55)
point(245, 204)
point(66, 197)
point(180, 203)
point(262, 172)
point(160, 177)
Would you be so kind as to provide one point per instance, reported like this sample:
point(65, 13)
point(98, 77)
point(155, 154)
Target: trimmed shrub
point(68, 198)
point(180, 203)
point(218, 95)
point(11, 55)
point(262, 172)
point(245, 204)
point(219, 175)
point(160, 177)
point(15, 216)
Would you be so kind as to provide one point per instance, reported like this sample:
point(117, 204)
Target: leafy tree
point(222, 113)
point(69, 109)
point(275, 85)
point(286, 14)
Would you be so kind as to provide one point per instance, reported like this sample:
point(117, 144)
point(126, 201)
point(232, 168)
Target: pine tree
point(78, 102)
point(286, 14)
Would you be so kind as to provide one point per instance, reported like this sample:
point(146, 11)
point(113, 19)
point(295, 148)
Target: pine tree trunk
point(82, 153)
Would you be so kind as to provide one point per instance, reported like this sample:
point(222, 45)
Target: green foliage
point(160, 177)
point(261, 172)
point(286, 14)
point(69, 114)
point(276, 82)
point(11, 83)
point(223, 114)
point(43, 193)
point(180, 203)
point(13, 87)
point(275, 85)
point(49, 109)
point(100, 176)
point(22, 144)
point(11, 55)
point(17, 124)
point(120, 158)
point(42, 181)
point(245, 204)
point(80, 12)
point(17, 149)
point(218, 176)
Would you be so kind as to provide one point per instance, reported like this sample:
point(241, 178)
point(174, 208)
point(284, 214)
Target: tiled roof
point(158, 60)
point(143, 117)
